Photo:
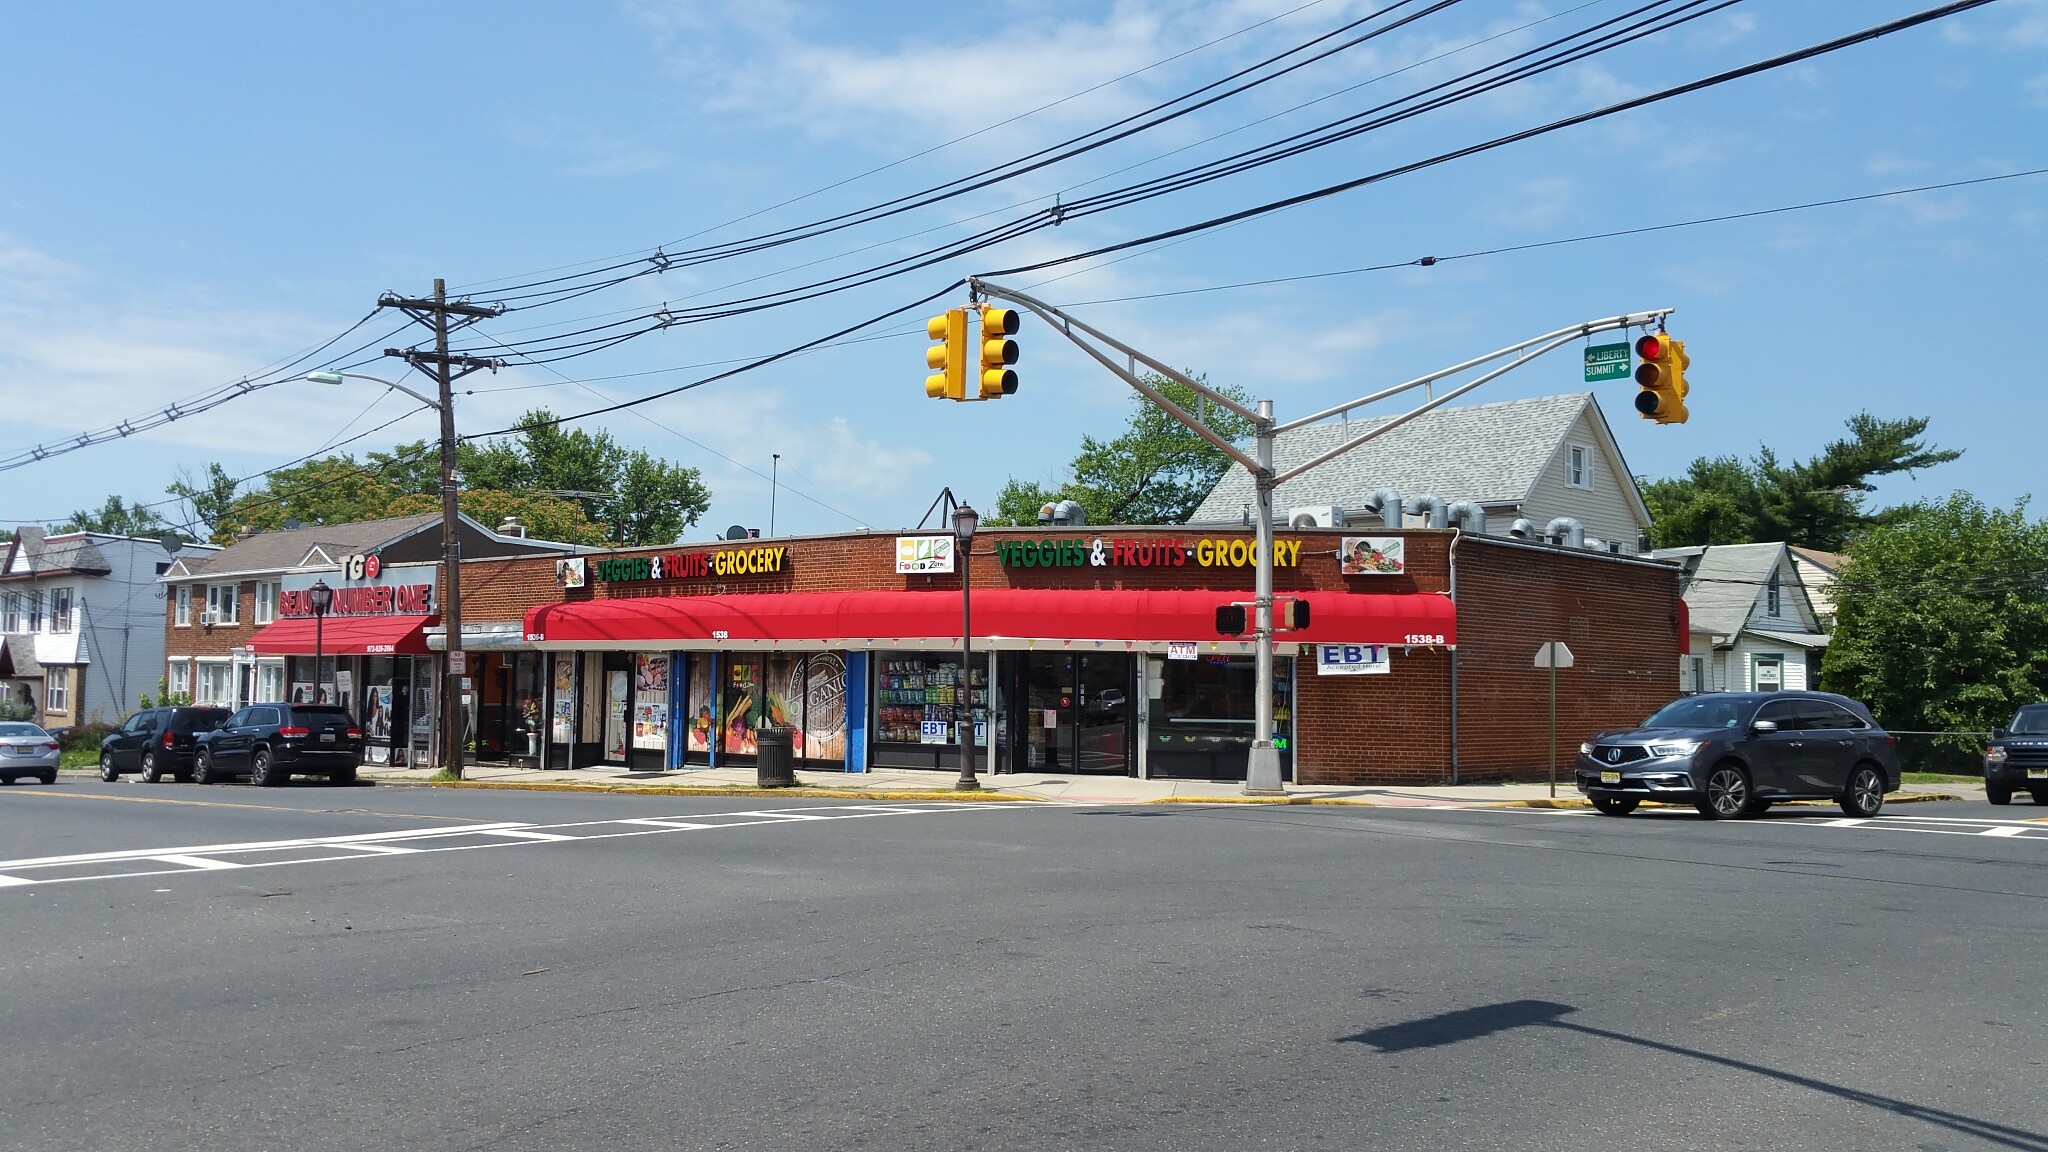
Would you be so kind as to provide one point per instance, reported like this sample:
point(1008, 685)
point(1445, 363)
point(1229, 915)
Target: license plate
point(1610, 777)
point(2037, 772)
point(327, 737)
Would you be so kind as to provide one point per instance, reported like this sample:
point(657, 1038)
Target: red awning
point(345, 636)
point(999, 613)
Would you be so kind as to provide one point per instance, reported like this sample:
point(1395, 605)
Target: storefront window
point(817, 689)
point(917, 699)
point(740, 716)
point(650, 702)
point(1202, 720)
point(702, 703)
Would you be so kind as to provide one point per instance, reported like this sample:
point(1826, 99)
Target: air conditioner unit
point(1316, 516)
point(208, 618)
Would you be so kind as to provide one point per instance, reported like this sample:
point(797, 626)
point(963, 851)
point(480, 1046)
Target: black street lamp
point(323, 598)
point(965, 520)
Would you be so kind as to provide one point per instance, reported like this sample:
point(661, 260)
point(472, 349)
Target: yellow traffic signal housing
point(998, 352)
point(1661, 378)
point(949, 356)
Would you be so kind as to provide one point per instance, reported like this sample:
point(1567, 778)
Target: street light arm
point(337, 377)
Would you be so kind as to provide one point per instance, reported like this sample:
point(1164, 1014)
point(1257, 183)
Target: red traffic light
point(1651, 347)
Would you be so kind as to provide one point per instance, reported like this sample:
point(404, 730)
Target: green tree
point(1941, 617)
point(1157, 471)
point(1817, 503)
point(117, 518)
point(205, 500)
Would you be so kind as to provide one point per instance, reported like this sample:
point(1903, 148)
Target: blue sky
point(192, 192)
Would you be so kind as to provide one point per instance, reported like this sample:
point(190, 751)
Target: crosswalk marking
point(120, 864)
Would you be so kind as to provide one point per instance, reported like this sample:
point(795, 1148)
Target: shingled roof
point(270, 551)
point(35, 553)
point(1490, 453)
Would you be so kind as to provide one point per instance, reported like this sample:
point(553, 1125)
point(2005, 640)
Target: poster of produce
point(650, 726)
point(1372, 556)
point(701, 705)
point(652, 678)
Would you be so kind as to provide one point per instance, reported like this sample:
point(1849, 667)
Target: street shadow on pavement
point(1473, 1023)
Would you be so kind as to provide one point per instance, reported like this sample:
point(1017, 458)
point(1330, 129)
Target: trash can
point(774, 762)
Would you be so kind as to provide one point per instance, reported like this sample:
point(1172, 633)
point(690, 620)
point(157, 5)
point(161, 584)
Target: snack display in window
point(911, 692)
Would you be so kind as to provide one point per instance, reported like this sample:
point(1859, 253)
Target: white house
point(1538, 461)
point(81, 632)
point(1754, 628)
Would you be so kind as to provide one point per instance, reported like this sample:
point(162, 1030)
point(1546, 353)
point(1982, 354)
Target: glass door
point(1076, 713)
point(1103, 721)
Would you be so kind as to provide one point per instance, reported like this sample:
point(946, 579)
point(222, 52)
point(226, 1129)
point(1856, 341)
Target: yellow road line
point(231, 804)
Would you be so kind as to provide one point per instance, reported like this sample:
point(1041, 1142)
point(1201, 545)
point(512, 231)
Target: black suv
point(2016, 760)
point(155, 741)
point(270, 742)
point(1737, 753)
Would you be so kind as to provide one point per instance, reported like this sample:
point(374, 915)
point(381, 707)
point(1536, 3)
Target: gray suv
point(1737, 753)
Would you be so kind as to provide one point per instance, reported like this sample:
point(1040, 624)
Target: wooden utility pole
point(443, 367)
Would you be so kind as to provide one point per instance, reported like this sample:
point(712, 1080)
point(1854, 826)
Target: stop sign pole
point(1553, 655)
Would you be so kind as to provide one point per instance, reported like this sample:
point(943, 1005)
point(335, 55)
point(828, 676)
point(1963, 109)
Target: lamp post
point(451, 562)
point(965, 520)
point(323, 598)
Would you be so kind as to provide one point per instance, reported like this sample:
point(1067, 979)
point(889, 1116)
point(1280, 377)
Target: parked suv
point(270, 742)
point(155, 741)
point(1737, 753)
point(2016, 760)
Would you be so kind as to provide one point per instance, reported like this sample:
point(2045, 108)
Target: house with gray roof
point(81, 632)
point(1754, 628)
point(1528, 464)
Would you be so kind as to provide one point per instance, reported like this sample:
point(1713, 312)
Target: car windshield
point(2031, 722)
point(20, 730)
point(309, 711)
point(1700, 712)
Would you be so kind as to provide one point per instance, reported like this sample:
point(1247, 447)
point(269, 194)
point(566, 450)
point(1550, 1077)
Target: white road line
point(199, 863)
point(381, 849)
point(678, 825)
point(525, 834)
point(2007, 830)
point(12, 881)
point(209, 849)
point(1844, 822)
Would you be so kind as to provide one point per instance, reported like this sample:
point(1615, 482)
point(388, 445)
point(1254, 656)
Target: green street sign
point(1606, 362)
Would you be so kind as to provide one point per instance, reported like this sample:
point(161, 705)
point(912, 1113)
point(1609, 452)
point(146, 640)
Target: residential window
point(35, 610)
point(270, 680)
point(60, 609)
point(266, 601)
point(56, 690)
point(1774, 600)
point(179, 680)
point(222, 603)
point(1578, 466)
point(184, 616)
point(10, 615)
point(216, 682)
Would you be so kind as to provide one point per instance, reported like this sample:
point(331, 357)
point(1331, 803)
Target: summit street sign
point(1606, 362)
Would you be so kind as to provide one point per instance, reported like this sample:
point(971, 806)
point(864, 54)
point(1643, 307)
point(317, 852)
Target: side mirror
point(1999, 733)
point(1763, 727)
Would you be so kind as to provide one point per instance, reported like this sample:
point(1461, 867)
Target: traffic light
point(949, 356)
point(1230, 620)
point(1661, 376)
point(1290, 615)
point(998, 352)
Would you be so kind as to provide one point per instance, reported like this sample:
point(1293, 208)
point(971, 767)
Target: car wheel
point(152, 769)
point(50, 777)
point(1727, 793)
point(2041, 796)
point(1614, 805)
point(202, 769)
point(342, 777)
point(1865, 795)
point(265, 772)
point(108, 772)
point(6, 779)
point(1998, 794)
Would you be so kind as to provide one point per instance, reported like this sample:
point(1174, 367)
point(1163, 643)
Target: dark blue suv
point(270, 742)
point(1737, 753)
point(2016, 759)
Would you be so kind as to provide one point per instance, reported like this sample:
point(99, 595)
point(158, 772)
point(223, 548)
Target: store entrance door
point(1075, 713)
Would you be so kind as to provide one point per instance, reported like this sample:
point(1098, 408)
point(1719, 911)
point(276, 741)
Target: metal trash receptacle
point(774, 761)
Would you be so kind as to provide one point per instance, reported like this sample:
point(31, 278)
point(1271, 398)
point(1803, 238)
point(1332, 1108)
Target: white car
point(26, 750)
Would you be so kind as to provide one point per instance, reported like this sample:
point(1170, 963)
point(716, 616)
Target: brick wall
point(199, 640)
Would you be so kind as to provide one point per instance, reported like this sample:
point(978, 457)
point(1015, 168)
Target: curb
point(799, 792)
point(1268, 800)
point(1576, 802)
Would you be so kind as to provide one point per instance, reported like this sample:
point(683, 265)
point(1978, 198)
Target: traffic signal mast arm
point(1262, 772)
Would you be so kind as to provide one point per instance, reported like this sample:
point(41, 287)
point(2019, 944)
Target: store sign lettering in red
point(375, 600)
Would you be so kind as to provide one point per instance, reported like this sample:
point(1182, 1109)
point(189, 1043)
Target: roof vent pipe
point(512, 526)
point(1523, 528)
point(1386, 503)
point(1469, 515)
point(1566, 531)
point(1436, 506)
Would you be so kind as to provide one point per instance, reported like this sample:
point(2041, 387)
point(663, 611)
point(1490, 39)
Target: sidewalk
point(1066, 788)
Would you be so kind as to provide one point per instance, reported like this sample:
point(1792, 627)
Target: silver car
point(26, 750)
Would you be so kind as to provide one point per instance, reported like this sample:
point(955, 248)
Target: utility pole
point(434, 314)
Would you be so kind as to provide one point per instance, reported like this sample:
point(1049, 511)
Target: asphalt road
point(317, 968)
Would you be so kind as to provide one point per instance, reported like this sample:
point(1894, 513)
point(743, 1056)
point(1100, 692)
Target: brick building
point(1094, 651)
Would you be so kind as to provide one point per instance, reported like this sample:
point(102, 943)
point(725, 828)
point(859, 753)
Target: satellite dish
point(294, 524)
point(736, 532)
point(171, 542)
